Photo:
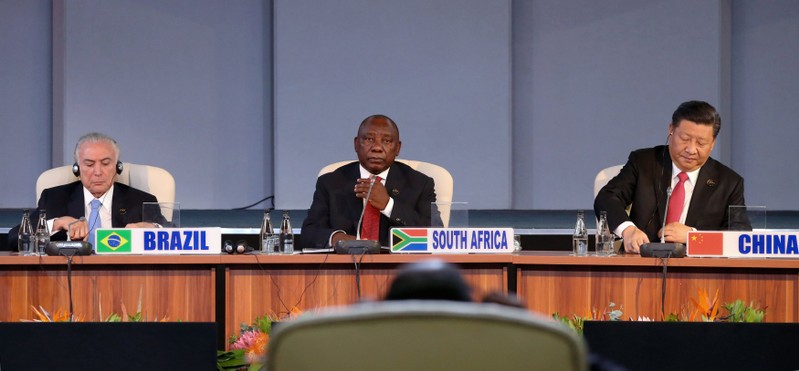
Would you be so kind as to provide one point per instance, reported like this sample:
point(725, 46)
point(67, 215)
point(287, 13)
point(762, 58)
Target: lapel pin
point(122, 211)
point(395, 191)
point(710, 182)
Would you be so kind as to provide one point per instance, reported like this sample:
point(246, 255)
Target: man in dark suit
point(402, 196)
point(97, 164)
point(703, 188)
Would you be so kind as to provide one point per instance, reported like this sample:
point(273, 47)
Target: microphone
point(359, 246)
point(656, 184)
point(665, 214)
point(69, 248)
point(363, 210)
point(663, 249)
point(69, 227)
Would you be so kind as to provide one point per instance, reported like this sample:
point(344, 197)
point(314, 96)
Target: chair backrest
point(604, 176)
point(425, 335)
point(150, 179)
point(442, 178)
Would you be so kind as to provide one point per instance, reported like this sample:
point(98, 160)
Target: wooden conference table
point(234, 289)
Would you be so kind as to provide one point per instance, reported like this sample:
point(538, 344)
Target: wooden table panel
point(557, 283)
point(257, 285)
point(101, 285)
point(178, 294)
point(185, 287)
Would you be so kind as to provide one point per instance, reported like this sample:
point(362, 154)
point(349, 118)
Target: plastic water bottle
point(286, 235)
point(25, 239)
point(580, 236)
point(269, 240)
point(604, 239)
point(42, 238)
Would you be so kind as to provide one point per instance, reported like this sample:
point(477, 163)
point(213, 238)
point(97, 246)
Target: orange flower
point(704, 309)
point(60, 315)
point(257, 348)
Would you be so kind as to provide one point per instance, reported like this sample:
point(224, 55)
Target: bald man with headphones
point(118, 205)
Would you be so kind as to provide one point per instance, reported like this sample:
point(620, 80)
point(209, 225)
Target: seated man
point(117, 205)
point(702, 188)
point(400, 195)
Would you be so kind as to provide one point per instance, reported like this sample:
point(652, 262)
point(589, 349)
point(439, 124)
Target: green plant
point(234, 360)
point(703, 310)
point(576, 322)
point(740, 312)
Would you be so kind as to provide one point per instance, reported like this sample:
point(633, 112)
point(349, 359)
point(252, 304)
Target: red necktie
point(677, 199)
point(370, 229)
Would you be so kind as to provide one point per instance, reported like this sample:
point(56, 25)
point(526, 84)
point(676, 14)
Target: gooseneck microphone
point(663, 249)
point(665, 215)
point(365, 205)
point(69, 227)
point(656, 183)
point(359, 246)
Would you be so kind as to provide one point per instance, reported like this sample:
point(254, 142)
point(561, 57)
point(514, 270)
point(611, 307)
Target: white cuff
point(330, 239)
point(389, 208)
point(49, 226)
point(622, 227)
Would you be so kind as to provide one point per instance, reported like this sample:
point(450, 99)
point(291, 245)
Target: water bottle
point(286, 235)
point(268, 237)
point(42, 234)
point(580, 236)
point(25, 239)
point(604, 240)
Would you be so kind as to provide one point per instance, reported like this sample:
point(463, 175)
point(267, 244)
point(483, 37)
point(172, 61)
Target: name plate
point(452, 240)
point(743, 244)
point(158, 241)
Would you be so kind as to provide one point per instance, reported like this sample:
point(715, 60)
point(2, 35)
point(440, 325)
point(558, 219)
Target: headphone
point(76, 168)
point(240, 247)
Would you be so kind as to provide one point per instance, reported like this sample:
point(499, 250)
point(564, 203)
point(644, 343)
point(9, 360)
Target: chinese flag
point(705, 243)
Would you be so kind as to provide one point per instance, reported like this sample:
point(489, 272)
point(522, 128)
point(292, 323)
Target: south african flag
point(409, 240)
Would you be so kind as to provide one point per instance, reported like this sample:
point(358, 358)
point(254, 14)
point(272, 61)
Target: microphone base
point(68, 248)
point(357, 247)
point(663, 250)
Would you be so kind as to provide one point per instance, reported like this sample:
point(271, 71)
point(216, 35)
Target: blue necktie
point(94, 220)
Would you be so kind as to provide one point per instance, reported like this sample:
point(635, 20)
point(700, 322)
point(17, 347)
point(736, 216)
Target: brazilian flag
point(113, 241)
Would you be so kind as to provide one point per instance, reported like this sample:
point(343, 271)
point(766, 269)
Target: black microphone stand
point(69, 254)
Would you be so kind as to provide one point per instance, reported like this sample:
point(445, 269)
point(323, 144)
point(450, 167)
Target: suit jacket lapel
point(665, 183)
point(353, 172)
point(395, 182)
point(702, 188)
point(118, 207)
point(76, 207)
